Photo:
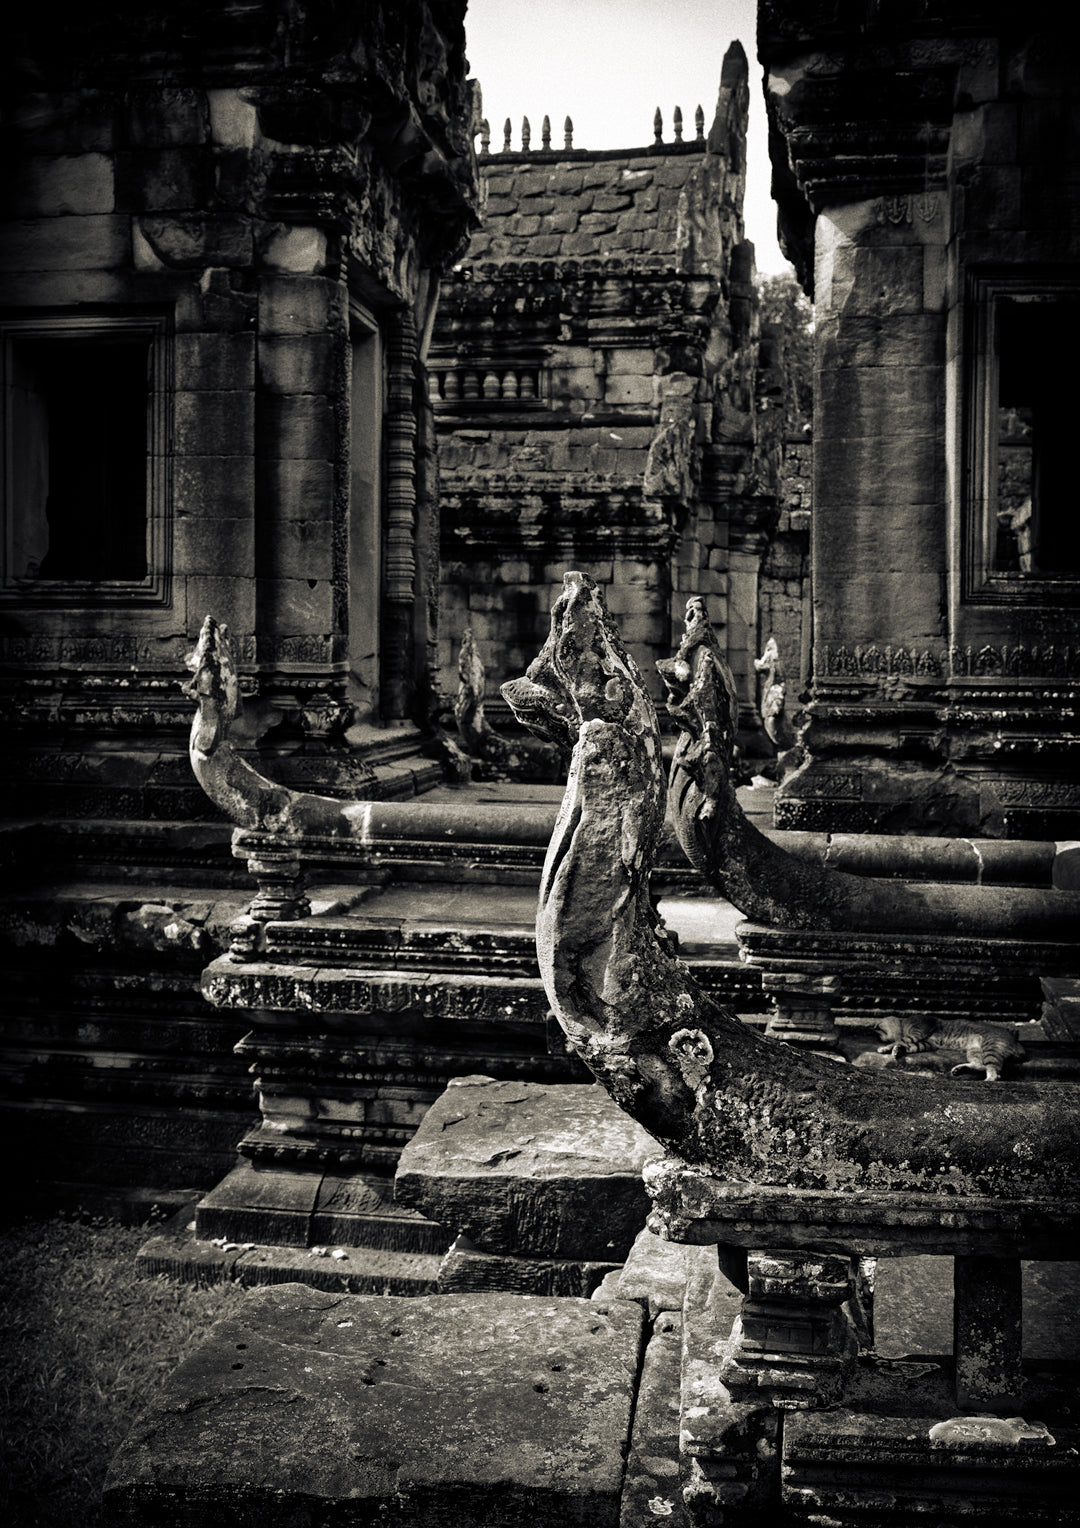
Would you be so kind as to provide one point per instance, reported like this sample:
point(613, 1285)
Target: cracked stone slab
point(533, 1169)
point(307, 1408)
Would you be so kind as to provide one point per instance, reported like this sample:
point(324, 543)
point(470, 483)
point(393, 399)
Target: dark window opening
point(80, 437)
point(1038, 526)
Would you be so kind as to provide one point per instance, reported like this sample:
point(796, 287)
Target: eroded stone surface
point(306, 1407)
point(657, 1273)
point(466, 1268)
point(528, 1169)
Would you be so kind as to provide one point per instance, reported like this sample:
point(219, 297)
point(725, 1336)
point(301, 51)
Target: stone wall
point(926, 171)
point(219, 250)
point(598, 396)
point(260, 206)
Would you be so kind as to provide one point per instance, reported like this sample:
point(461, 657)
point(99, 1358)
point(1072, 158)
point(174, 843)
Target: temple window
point(85, 455)
point(1022, 527)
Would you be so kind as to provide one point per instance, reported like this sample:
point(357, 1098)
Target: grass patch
point(85, 1345)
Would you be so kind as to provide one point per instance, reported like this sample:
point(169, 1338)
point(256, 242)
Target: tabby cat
point(988, 1047)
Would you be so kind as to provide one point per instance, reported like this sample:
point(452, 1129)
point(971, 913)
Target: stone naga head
point(583, 673)
point(770, 658)
point(214, 684)
point(701, 695)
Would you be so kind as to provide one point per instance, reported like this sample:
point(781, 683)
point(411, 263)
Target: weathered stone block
point(298, 549)
point(635, 360)
point(214, 361)
point(231, 599)
point(528, 1169)
point(97, 242)
point(657, 1273)
point(297, 425)
point(168, 116)
point(72, 183)
point(161, 180)
point(214, 485)
point(652, 1490)
point(192, 242)
point(277, 1206)
point(299, 250)
point(60, 123)
point(296, 364)
point(214, 423)
point(307, 1407)
point(466, 1269)
point(629, 390)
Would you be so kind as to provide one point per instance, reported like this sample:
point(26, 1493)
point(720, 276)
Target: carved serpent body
point(697, 1078)
point(771, 886)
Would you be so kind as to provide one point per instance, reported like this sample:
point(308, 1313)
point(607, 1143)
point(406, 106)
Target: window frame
point(983, 583)
point(155, 587)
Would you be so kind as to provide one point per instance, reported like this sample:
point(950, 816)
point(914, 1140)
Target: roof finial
point(507, 130)
point(676, 123)
point(658, 127)
point(485, 137)
point(545, 133)
point(699, 124)
point(526, 135)
point(568, 134)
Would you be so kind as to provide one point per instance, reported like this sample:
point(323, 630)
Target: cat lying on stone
point(988, 1047)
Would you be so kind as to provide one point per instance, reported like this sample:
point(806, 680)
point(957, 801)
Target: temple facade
point(925, 171)
point(221, 261)
point(222, 239)
point(603, 399)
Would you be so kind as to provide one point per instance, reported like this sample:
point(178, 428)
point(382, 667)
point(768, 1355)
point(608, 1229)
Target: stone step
point(179, 1252)
point(315, 1208)
point(529, 1170)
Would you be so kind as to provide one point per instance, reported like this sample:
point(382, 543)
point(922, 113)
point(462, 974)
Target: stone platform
point(312, 1409)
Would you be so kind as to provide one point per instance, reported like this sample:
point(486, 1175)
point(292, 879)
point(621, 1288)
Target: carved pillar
point(792, 1339)
point(399, 590)
point(276, 866)
point(801, 1007)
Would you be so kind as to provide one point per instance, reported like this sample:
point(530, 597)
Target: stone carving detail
point(252, 801)
point(779, 725)
point(908, 209)
point(722, 1097)
point(759, 877)
point(478, 736)
point(874, 661)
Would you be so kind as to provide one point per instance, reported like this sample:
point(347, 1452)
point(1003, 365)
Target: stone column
point(988, 1332)
point(791, 1338)
point(801, 1007)
point(400, 567)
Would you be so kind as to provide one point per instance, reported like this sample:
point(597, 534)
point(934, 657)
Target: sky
point(608, 64)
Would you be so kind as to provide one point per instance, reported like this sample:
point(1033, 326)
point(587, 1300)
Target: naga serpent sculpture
point(771, 886)
point(703, 1083)
point(248, 798)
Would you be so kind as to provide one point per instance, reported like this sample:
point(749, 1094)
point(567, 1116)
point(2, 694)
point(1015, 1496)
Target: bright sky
point(608, 64)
